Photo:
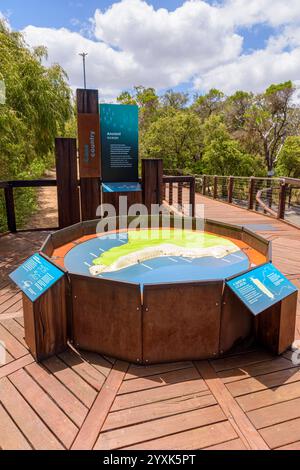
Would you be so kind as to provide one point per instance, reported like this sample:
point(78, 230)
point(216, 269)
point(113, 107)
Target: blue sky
point(193, 45)
point(60, 13)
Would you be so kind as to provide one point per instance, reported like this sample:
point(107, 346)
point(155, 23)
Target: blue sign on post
point(121, 187)
point(261, 288)
point(119, 131)
point(35, 276)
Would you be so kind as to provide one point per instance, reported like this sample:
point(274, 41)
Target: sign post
point(44, 303)
point(89, 152)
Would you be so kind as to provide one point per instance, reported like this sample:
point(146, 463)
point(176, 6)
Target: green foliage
point(270, 119)
point(175, 100)
point(236, 107)
point(240, 134)
point(288, 163)
point(223, 155)
point(148, 102)
point(177, 138)
point(206, 105)
point(37, 108)
point(274, 89)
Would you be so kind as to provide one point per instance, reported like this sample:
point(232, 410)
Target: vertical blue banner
point(119, 142)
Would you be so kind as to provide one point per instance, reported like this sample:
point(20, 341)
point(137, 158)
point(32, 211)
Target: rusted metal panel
point(257, 242)
point(45, 322)
point(67, 235)
point(89, 145)
point(181, 321)
point(237, 322)
point(275, 327)
point(221, 228)
point(107, 317)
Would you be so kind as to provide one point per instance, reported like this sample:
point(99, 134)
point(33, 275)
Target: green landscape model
point(143, 245)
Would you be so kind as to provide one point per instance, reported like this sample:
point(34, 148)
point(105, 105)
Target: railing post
point(204, 185)
point(193, 196)
point(67, 185)
point(180, 186)
point(164, 191)
point(10, 208)
point(230, 189)
point(250, 194)
point(171, 194)
point(282, 200)
point(215, 187)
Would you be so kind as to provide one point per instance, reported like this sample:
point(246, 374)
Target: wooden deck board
point(78, 400)
point(124, 437)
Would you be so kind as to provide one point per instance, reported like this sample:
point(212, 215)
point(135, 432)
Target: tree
point(176, 100)
point(146, 99)
point(236, 107)
point(35, 111)
point(38, 104)
point(177, 138)
point(269, 121)
point(288, 163)
point(208, 104)
point(223, 155)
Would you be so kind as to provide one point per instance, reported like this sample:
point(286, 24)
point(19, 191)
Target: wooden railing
point(174, 185)
point(276, 197)
point(9, 186)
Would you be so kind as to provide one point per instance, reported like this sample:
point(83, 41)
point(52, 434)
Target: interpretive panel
point(119, 142)
point(261, 288)
point(35, 276)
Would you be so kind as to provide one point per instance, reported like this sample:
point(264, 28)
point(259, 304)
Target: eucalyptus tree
point(270, 120)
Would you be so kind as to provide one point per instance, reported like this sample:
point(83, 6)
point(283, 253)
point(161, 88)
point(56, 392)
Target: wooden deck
point(81, 400)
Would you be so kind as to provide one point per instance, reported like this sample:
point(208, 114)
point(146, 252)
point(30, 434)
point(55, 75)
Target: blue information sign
point(121, 187)
point(35, 276)
point(261, 288)
point(119, 131)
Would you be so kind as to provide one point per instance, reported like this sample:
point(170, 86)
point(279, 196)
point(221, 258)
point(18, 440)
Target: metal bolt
point(217, 304)
point(147, 309)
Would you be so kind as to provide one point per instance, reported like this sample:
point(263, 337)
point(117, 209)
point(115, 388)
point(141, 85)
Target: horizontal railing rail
point(276, 197)
point(9, 186)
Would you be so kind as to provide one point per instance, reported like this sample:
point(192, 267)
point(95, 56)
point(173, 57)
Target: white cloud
point(273, 12)
point(131, 43)
point(253, 72)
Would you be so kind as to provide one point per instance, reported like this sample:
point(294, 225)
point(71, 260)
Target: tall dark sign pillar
point(89, 152)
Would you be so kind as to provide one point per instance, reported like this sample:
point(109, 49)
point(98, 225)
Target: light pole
point(83, 55)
